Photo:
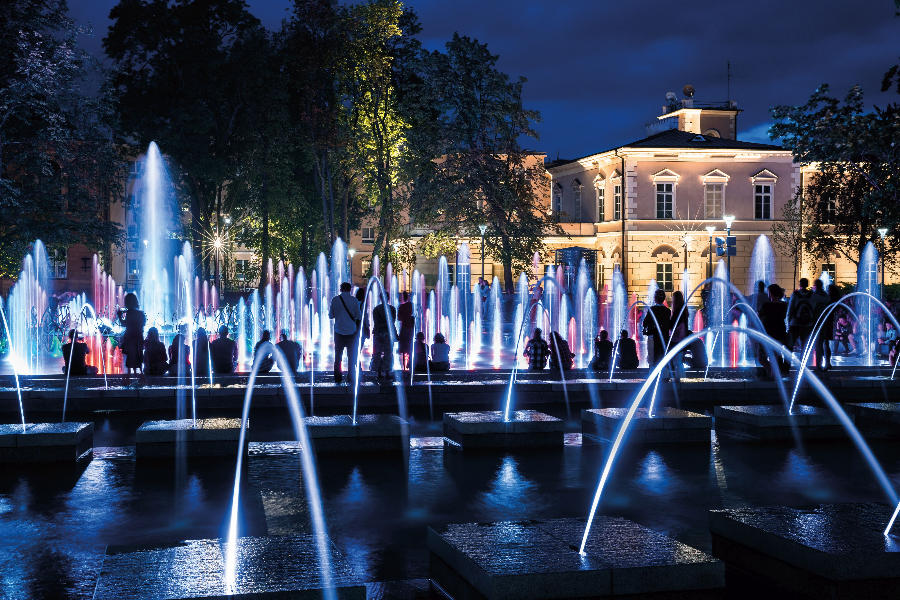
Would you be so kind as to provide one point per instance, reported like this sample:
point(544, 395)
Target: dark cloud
point(598, 71)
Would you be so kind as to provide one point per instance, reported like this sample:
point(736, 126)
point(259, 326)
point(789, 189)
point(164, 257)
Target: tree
point(314, 48)
point(379, 49)
point(59, 167)
point(787, 233)
point(858, 161)
point(186, 70)
point(467, 122)
point(844, 216)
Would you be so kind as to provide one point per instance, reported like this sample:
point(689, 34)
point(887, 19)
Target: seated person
point(440, 354)
point(179, 354)
point(626, 350)
point(560, 353)
point(154, 354)
point(267, 362)
point(75, 355)
point(420, 352)
point(293, 352)
point(843, 332)
point(224, 352)
point(201, 353)
point(602, 352)
point(536, 351)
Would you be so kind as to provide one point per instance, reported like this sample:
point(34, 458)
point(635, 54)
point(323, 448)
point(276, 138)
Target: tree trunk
point(304, 242)
point(330, 201)
point(345, 233)
point(507, 264)
point(263, 271)
point(321, 171)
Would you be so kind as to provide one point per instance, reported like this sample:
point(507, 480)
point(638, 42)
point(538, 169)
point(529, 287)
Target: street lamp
point(729, 219)
point(882, 232)
point(350, 253)
point(687, 240)
point(710, 229)
point(217, 244)
point(483, 229)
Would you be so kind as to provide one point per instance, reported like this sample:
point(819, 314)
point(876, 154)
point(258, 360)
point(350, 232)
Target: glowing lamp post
point(729, 219)
point(882, 232)
point(483, 229)
point(350, 253)
point(217, 244)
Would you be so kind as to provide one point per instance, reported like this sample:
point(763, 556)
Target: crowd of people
point(790, 323)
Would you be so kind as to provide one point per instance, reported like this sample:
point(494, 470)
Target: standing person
point(382, 327)
point(201, 354)
point(603, 349)
point(154, 354)
point(132, 344)
point(820, 303)
point(293, 352)
point(772, 315)
point(344, 310)
point(75, 356)
point(678, 329)
point(407, 329)
point(180, 354)
point(656, 325)
point(828, 333)
point(536, 351)
point(626, 350)
point(268, 362)
point(361, 298)
point(801, 315)
point(224, 352)
point(440, 354)
point(761, 296)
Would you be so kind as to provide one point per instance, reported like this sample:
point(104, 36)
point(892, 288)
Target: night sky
point(599, 71)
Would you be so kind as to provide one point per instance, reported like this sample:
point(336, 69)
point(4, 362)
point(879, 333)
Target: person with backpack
point(345, 311)
point(801, 315)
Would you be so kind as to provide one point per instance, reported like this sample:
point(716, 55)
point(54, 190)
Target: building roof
point(675, 138)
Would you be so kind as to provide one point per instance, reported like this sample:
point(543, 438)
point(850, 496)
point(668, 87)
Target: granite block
point(267, 567)
point(535, 560)
point(774, 422)
point(829, 550)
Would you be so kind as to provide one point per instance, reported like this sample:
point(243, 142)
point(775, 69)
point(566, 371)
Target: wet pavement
point(57, 521)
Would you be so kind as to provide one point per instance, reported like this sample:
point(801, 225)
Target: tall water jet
point(719, 313)
point(867, 282)
point(157, 223)
point(762, 265)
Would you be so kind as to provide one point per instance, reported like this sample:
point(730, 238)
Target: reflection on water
point(57, 522)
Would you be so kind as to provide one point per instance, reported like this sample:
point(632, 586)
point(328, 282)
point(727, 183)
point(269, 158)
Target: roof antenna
point(729, 82)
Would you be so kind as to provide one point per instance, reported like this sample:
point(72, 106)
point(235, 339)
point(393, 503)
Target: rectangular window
point(59, 261)
point(665, 200)
point(134, 169)
point(368, 235)
point(601, 204)
point(578, 206)
point(617, 203)
point(133, 268)
point(714, 193)
point(664, 276)
point(601, 276)
point(829, 268)
point(132, 233)
point(829, 210)
point(763, 201)
point(557, 204)
point(240, 269)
